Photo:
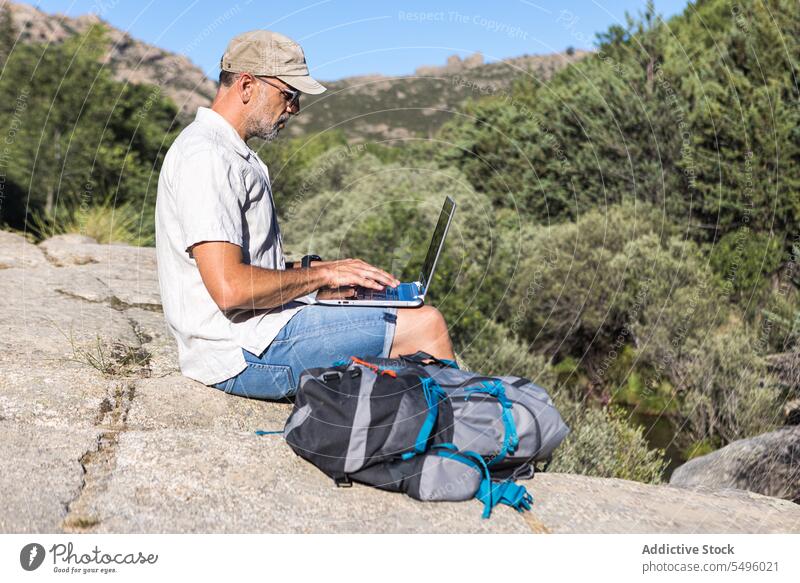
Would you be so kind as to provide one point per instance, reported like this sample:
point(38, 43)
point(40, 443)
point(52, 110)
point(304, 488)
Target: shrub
point(603, 443)
point(613, 278)
point(495, 350)
point(728, 392)
point(105, 223)
point(744, 259)
point(650, 117)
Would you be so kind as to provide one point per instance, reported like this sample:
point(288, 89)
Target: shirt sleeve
point(208, 203)
point(309, 298)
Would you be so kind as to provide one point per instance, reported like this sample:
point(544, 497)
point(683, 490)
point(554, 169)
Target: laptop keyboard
point(409, 292)
point(388, 293)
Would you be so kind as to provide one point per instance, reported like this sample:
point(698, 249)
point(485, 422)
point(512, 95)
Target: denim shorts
point(316, 336)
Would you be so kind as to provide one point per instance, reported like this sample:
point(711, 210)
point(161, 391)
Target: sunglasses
point(291, 95)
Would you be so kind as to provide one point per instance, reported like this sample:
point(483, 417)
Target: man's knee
point(422, 328)
point(423, 320)
point(434, 319)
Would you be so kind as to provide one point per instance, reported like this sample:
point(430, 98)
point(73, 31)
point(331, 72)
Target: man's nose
point(294, 107)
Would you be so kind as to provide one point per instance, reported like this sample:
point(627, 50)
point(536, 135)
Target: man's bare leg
point(421, 329)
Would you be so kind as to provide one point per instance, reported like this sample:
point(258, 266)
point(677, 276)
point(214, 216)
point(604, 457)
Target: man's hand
point(354, 272)
point(234, 284)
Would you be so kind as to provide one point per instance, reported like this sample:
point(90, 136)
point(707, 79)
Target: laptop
point(406, 294)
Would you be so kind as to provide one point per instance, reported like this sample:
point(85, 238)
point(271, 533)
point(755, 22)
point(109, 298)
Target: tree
point(75, 137)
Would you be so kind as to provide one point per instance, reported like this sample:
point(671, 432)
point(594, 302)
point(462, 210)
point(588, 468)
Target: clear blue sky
point(343, 38)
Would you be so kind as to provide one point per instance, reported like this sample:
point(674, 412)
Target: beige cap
point(266, 53)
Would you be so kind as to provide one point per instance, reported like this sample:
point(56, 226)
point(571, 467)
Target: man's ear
point(244, 86)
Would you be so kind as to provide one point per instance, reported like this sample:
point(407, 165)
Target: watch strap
point(307, 259)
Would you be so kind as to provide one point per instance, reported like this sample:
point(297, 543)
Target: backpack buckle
point(525, 472)
point(330, 377)
point(343, 481)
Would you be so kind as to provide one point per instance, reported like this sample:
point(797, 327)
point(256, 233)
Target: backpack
point(422, 426)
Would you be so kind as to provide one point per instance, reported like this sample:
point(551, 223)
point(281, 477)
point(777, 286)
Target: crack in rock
point(99, 462)
point(112, 302)
point(113, 411)
point(142, 336)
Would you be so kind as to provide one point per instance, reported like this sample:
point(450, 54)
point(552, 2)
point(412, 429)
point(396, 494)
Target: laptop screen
point(436, 243)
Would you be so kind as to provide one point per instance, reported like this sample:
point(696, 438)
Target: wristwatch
point(304, 262)
point(307, 259)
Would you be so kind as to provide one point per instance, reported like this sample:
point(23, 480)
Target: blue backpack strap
point(509, 493)
point(448, 362)
point(474, 460)
point(433, 394)
point(511, 439)
point(490, 493)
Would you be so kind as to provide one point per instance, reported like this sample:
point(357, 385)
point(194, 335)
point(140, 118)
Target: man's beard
point(260, 128)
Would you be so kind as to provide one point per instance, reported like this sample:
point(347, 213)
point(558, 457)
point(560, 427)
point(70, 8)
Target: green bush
point(696, 115)
point(384, 213)
point(104, 223)
point(75, 138)
point(728, 392)
point(590, 288)
point(495, 350)
point(673, 300)
point(743, 260)
point(603, 443)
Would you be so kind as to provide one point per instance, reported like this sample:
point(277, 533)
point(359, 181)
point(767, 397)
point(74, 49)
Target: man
point(243, 317)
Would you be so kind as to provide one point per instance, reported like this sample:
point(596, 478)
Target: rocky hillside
point(100, 433)
point(377, 107)
point(372, 107)
point(130, 59)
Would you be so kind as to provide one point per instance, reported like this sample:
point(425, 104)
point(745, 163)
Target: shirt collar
point(208, 116)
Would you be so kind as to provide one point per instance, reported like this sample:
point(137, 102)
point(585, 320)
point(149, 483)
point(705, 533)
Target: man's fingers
point(362, 269)
point(380, 275)
point(385, 278)
point(391, 279)
point(353, 277)
point(371, 283)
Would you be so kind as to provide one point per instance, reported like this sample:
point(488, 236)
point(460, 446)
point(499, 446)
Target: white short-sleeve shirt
point(213, 187)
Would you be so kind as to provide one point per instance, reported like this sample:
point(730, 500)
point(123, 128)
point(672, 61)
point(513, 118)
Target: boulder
point(53, 313)
point(567, 503)
point(791, 412)
point(768, 464)
point(127, 274)
point(99, 432)
point(17, 251)
point(68, 249)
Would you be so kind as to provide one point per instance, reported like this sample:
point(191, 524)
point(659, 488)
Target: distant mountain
point(130, 59)
point(371, 107)
point(377, 107)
